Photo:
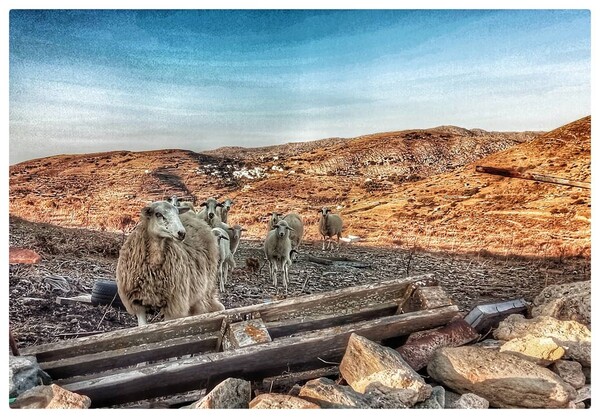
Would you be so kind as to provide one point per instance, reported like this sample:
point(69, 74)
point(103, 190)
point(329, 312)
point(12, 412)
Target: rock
point(569, 371)
point(505, 380)
point(417, 351)
point(379, 396)
point(587, 372)
point(572, 336)
point(583, 394)
point(327, 394)
point(51, 397)
point(24, 373)
point(366, 362)
point(437, 400)
point(230, 393)
point(22, 256)
point(540, 350)
point(469, 401)
point(278, 401)
point(570, 301)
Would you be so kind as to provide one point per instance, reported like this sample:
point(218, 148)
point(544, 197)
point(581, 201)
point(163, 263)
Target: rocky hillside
point(420, 186)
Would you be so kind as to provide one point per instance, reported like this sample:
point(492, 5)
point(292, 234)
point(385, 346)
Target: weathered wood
point(74, 300)
point(280, 329)
point(430, 297)
point(252, 362)
point(125, 338)
point(123, 357)
point(507, 172)
point(245, 333)
point(286, 380)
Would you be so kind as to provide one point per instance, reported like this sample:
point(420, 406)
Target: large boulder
point(569, 301)
point(327, 394)
point(505, 380)
point(366, 362)
point(541, 350)
point(573, 337)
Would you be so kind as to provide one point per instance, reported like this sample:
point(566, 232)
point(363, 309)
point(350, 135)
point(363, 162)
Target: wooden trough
point(251, 342)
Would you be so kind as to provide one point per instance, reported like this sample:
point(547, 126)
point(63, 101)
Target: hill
point(420, 185)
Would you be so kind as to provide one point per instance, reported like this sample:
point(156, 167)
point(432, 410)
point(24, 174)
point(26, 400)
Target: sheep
point(277, 251)
point(294, 221)
point(168, 262)
point(226, 261)
point(209, 212)
point(235, 234)
point(223, 211)
point(329, 226)
point(174, 200)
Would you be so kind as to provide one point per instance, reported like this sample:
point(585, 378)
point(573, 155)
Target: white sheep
point(278, 247)
point(234, 240)
point(209, 212)
point(169, 262)
point(226, 261)
point(223, 210)
point(294, 221)
point(330, 225)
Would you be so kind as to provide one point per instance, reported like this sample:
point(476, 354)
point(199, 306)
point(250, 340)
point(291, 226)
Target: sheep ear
point(270, 213)
point(183, 209)
point(203, 204)
point(243, 229)
point(220, 205)
point(328, 210)
point(290, 228)
point(147, 212)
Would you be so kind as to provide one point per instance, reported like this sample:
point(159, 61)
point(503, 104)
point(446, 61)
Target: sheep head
point(163, 220)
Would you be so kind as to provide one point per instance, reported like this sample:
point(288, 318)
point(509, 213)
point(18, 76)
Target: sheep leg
point(323, 249)
point(141, 317)
point(273, 272)
point(221, 284)
point(286, 278)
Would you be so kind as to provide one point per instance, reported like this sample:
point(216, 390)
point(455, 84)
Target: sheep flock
point(178, 258)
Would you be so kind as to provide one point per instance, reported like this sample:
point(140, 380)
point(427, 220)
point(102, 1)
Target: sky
point(100, 80)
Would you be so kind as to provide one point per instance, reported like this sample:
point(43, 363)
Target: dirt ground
point(72, 260)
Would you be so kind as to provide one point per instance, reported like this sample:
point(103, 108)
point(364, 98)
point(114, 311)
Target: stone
point(417, 351)
point(505, 380)
point(437, 400)
point(230, 393)
point(327, 394)
point(569, 301)
point(24, 373)
point(366, 362)
point(469, 401)
point(540, 350)
point(569, 371)
point(22, 256)
point(583, 394)
point(573, 337)
point(382, 397)
point(51, 397)
point(279, 401)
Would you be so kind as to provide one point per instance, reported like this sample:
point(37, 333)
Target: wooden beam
point(287, 327)
point(124, 357)
point(252, 362)
point(125, 338)
point(87, 299)
point(507, 172)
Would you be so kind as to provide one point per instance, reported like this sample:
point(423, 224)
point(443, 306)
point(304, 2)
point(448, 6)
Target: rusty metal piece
point(418, 351)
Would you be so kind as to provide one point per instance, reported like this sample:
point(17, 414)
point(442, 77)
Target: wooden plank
point(124, 357)
point(245, 333)
point(74, 300)
point(432, 297)
point(286, 380)
point(288, 327)
point(124, 338)
point(507, 172)
point(252, 362)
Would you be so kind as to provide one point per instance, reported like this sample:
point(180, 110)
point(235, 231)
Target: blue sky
point(90, 81)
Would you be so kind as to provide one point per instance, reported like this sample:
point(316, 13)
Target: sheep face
point(226, 205)
point(163, 220)
point(324, 212)
point(237, 231)
point(283, 229)
point(211, 207)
